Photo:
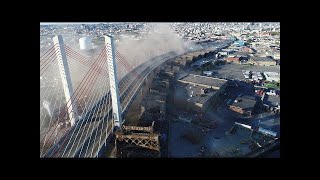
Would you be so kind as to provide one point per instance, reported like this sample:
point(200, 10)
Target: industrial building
point(200, 63)
point(246, 50)
point(276, 56)
point(239, 43)
point(226, 52)
point(208, 73)
point(197, 93)
point(167, 72)
point(206, 82)
point(256, 76)
point(233, 59)
point(251, 142)
point(262, 61)
point(153, 101)
point(272, 76)
point(272, 103)
point(181, 61)
point(156, 97)
point(242, 55)
point(244, 105)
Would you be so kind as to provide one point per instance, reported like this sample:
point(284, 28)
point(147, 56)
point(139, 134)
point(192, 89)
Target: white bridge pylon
point(65, 77)
point(113, 80)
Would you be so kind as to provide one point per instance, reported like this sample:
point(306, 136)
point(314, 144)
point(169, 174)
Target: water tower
point(85, 43)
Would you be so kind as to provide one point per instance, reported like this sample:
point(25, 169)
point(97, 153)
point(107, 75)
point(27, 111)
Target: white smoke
point(46, 105)
point(160, 39)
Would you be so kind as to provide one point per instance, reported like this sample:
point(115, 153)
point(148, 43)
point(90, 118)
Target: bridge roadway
point(82, 147)
point(94, 133)
point(127, 97)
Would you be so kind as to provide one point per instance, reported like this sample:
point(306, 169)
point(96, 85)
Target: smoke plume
point(160, 39)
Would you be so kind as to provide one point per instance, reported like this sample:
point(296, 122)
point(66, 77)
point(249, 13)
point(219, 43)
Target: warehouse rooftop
point(262, 59)
point(244, 102)
point(203, 81)
point(194, 94)
point(272, 74)
point(271, 100)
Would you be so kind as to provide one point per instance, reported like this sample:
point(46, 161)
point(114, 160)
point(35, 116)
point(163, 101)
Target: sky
point(57, 23)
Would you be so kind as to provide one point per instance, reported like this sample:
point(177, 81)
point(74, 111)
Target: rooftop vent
point(202, 91)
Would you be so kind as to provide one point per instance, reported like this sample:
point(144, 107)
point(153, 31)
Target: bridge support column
point(112, 68)
point(65, 77)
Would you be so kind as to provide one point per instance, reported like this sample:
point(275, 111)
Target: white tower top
point(112, 68)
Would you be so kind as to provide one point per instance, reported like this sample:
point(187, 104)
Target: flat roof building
point(243, 105)
point(201, 62)
point(207, 82)
point(233, 59)
point(197, 93)
point(246, 50)
point(262, 61)
point(239, 43)
point(272, 76)
point(208, 73)
point(272, 103)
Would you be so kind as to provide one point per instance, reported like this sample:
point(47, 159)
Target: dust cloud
point(159, 39)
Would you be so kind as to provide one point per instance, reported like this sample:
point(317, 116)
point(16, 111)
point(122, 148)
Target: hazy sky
point(57, 23)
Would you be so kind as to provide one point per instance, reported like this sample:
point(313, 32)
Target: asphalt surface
point(234, 71)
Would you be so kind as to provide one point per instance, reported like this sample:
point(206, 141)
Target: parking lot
point(214, 140)
point(235, 71)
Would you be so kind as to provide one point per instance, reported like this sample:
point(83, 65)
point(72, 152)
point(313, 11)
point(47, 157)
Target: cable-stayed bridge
point(78, 109)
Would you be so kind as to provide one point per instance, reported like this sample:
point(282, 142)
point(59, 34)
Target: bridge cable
point(88, 75)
